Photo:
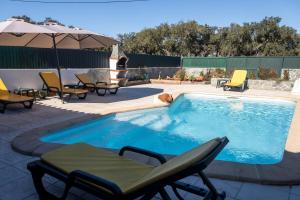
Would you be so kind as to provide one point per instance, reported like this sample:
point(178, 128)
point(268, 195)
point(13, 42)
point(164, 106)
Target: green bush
point(208, 76)
point(286, 75)
point(192, 78)
point(218, 73)
point(267, 73)
point(252, 75)
point(181, 74)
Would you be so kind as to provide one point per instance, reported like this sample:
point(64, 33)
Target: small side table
point(221, 82)
point(27, 92)
point(73, 86)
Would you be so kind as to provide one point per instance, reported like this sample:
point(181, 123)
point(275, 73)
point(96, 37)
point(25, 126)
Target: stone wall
point(265, 84)
point(197, 71)
point(152, 72)
point(293, 73)
point(100, 74)
point(270, 85)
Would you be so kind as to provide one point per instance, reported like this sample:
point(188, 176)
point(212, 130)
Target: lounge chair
point(8, 98)
point(238, 80)
point(111, 176)
point(51, 81)
point(98, 86)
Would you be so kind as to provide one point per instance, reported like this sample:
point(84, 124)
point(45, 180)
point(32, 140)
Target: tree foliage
point(264, 38)
point(45, 21)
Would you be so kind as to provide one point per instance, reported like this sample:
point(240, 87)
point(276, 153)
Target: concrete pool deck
point(50, 112)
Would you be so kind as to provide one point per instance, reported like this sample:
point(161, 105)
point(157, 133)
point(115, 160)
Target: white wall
point(29, 78)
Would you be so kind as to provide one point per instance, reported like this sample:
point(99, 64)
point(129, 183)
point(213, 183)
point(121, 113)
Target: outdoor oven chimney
point(118, 66)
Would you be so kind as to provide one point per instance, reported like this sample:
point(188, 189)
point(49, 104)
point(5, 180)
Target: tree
point(264, 38)
point(25, 18)
point(51, 20)
point(46, 20)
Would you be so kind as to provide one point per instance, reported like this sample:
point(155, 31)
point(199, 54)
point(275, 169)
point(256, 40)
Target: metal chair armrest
point(55, 88)
point(157, 156)
point(101, 82)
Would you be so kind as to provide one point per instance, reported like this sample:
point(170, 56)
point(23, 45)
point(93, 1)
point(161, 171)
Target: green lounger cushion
point(129, 175)
point(98, 162)
point(176, 164)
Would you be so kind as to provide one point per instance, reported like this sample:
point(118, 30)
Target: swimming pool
point(257, 128)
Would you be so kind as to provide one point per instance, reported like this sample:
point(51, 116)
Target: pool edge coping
point(285, 172)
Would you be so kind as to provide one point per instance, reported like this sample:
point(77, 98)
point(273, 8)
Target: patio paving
point(16, 182)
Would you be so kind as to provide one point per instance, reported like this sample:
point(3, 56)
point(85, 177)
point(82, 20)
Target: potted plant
point(200, 78)
point(180, 75)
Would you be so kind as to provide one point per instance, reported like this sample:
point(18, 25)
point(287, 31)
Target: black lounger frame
point(112, 191)
point(93, 87)
point(57, 90)
point(5, 103)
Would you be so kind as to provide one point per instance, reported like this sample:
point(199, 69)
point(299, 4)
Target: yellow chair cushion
point(3, 88)
point(84, 78)
point(51, 79)
point(238, 78)
point(14, 98)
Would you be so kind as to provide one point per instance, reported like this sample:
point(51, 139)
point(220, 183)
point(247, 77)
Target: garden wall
point(151, 72)
point(265, 84)
point(293, 73)
point(197, 71)
point(278, 64)
point(29, 78)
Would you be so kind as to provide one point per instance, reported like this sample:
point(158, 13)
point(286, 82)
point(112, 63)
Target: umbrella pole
point(58, 68)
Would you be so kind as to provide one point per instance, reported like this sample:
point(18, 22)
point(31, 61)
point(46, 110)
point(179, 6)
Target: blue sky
point(132, 17)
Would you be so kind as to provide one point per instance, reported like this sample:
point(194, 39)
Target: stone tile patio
point(15, 180)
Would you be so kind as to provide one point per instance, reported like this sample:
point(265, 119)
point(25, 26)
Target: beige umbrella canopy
point(74, 38)
point(16, 32)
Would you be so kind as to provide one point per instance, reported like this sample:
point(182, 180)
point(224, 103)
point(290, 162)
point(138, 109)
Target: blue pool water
point(257, 128)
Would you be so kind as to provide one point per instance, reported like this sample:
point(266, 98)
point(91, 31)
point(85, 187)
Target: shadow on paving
point(17, 120)
point(124, 94)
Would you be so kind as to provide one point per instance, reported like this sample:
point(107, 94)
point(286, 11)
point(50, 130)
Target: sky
point(112, 19)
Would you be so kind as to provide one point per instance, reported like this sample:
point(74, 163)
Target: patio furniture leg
point(148, 196)
point(38, 184)
point(164, 194)
point(189, 188)
point(213, 193)
point(29, 106)
point(37, 176)
point(3, 107)
point(99, 93)
point(114, 91)
point(69, 98)
point(242, 88)
point(92, 89)
point(82, 97)
point(176, 193)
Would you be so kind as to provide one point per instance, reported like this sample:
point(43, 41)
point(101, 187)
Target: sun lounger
point(7, 98)
point(51, 81)
point(112, 176)
point(238, 80)
point(99, 87)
